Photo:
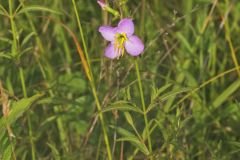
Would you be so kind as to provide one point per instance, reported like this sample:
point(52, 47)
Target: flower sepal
point(107, 8)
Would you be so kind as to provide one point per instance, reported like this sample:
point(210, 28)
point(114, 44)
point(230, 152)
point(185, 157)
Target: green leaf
point(58, 101)
point(129, 118)
point(130, 137)
point(184, 42)
point(37, 8)
point(4, 55)
point(72, 82)
point(7, 153)
point(122, 106)
point(134, 141)
point(3, 11)
point(3, 142)
point(6, 40)
point(55, 152)
point(123, 132)
point(157, 92)
point(174, 93)
point(49, 120)
point(235, 143)
point(28, 37)
point(18, 108)
point(225, 94)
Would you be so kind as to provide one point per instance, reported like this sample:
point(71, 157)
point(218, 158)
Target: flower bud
point(102, 4)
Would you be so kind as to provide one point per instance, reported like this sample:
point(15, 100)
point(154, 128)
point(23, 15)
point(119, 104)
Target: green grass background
point(65, 107)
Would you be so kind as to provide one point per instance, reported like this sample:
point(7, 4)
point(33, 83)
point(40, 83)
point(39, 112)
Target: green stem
point(105, 134)
point(99, 147)
point(23, 82)
point(14, 32)
point(81, 32)
point(14, 52)
point(28, 116)
point(143, 106)
point(142, 17)
point(93, 87)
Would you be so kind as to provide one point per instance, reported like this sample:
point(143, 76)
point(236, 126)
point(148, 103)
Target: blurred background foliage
point(189, 70)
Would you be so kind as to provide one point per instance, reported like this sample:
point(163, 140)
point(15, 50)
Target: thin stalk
point(143, 17)
point(105, 15)
point(14, 52)
point(13, 28)
point(28, 116)
point(143, 106)
point(81, 32)
point(92, 83)
point(233, 52)
point(105, 134)
point(99, 147)
point(23, 82)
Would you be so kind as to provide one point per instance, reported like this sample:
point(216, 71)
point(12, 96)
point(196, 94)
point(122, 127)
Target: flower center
point(118, 43)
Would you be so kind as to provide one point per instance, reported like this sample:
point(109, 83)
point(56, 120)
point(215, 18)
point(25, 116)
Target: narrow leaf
point(7, 153)
point(159, 91)
point(130, 137)
point(37, 8)
point(225, 94)
point(122, 106)
point(129, 118)
point(134, 141)
point(18, 108)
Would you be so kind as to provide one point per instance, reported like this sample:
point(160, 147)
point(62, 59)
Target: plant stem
point(13, 28)
point(14, 53)
point(81, 32)
point(23, 82)
point(93, 86)
point(105, 15)
point(143, 106)
point(28, 116)
point(105, 134)
point(142, 17)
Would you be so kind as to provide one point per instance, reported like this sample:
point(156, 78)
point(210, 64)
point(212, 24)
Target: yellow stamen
point(119, 43)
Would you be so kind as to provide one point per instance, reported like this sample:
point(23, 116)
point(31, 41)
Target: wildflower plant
point(175, 92)
point(122, 38)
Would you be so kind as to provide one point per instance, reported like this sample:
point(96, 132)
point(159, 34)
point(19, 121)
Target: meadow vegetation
point(62, 99)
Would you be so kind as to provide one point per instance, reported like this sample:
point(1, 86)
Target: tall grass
point(62, 99)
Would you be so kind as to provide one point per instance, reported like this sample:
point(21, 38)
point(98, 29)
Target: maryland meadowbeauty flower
point(121, 38)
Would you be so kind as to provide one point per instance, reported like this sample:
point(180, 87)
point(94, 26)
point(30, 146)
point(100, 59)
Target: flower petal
point(126, 26)
point(107, 32)
point(110, 52)
point(134, 45)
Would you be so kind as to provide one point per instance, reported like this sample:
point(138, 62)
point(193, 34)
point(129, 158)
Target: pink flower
point(121, 38)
